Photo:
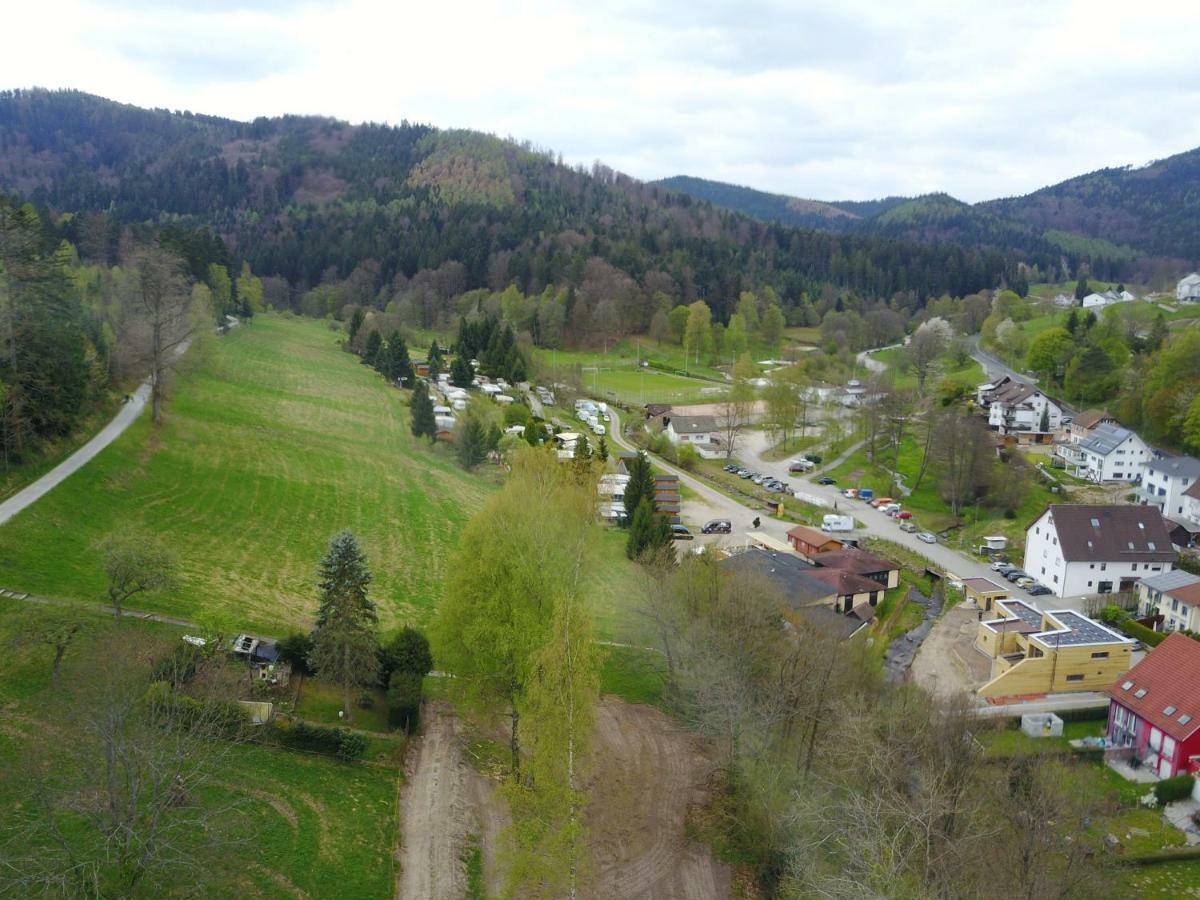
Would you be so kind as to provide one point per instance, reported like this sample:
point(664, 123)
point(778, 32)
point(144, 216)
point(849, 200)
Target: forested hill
point(1155, 207)
point(1109, 218)
point(311, 199)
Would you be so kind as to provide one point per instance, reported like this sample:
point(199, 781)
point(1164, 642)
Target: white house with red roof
point(1154, 711)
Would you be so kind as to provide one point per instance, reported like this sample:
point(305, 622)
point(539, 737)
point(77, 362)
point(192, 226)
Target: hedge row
point(1171, 789)
point(1163, 856)
point(340, 742)
point(1138, 631)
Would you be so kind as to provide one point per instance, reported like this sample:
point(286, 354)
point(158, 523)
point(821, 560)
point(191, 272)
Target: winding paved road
point(31, 493)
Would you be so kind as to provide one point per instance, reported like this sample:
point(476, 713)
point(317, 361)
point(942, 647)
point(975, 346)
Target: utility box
point(1038, 725)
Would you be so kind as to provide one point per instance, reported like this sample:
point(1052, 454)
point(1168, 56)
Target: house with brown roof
point(1083, 424)
point(1018, 409)
point(984, 592)
point(1077, 549)
point(853, 591)
point(1172, 597)
point(1154, 711)
point(808, 542)
point(860, 562)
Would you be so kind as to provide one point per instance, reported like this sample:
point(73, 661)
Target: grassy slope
point(345, 826)
point(969, 374)
point(276, 443)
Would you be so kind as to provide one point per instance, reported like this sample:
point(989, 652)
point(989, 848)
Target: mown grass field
point(271, 446)
point(970, 374)
point(315, 827)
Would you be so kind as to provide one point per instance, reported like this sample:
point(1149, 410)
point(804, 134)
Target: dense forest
point(408, 212)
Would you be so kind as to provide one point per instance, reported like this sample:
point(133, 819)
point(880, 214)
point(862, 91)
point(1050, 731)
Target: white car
point(927, 537)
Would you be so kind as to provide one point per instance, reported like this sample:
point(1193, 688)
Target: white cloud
point(851, 102)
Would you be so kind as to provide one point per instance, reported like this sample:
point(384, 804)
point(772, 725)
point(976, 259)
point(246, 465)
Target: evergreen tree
point(533, 433)
point(1082, 289)
point(602, 450)
point(1072, 322)
point(399, 366)
point(640, 486)
point(356, 321)
point(345, 644)
point(422, 421)
point(371, 349)
point(470, 446)
point(407, 651)
point(461, 373)
point(648, 532)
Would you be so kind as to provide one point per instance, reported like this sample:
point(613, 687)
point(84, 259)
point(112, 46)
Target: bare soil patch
point(947, 661)
point(646, 773)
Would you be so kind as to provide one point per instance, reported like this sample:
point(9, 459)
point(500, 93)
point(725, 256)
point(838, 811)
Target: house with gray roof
point(1165, 483)
point(1108, 453)
point(1076, 549)
point(699, 431)
point(1174, 596)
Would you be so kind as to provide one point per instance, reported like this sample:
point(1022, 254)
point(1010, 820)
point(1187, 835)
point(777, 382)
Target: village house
point(1034, 653)
point(1188, 289)
point(1154, 711)
point(1166, 480)
point(1076, 550)
point(854, 592)
point(807, 602)
point(1020, 410)
point(1083, 424)
point(699, 431)
point(808, 542)
point(860, 562)
point(1106, 298)
point(1108, 453)
point(1173, 598)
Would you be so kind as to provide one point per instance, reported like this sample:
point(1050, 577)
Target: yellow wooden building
point(1036, 652)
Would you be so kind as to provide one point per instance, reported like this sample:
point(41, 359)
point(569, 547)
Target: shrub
point(1171, 789)
point(364, 700)
point(1140, 632)
point(688, 457)
point(339, 742)
point(179, 666)
point(406, 651)
point(404, 700)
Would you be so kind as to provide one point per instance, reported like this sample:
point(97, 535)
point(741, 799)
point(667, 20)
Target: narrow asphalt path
point(994, 367)
point(31, 493)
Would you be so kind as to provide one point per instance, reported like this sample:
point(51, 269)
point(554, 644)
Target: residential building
point(1173, 596)
point(1019, 409)
point(1154, 711)
point(1166, 480)
point(1106, 298)
point(860, 562)
point(1035, 653)
point(1188, 288)
point(854, 592)
point(805, 601)
point(1084, 423)
point(1076, 549)
point(808, 542)
point(1191, 505)
point(1108, 453)
point(700, 431)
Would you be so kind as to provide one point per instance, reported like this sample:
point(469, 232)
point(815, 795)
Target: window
point(1104, 587)
point(1184, 719)
point(1103, 567)
point(1100, 654)
point(1135, 564)
point(1140, 693)
point(1127, 685)
point(1074, 678)
point(1095, 523)
point(1089, 584)
point(1169, 710)
point(1150, 544)
point(1056, 579)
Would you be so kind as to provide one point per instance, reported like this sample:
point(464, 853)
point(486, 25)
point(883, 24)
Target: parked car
point(1038, 589)
point(681, 533)
point(825, 479)
point(717, 526)
point(800, 465)
point(904, 514)
point(730, 467)
point(1000, 565)
point(910, 527)
point(758, 478)
point(814, 458)
point(1014, 575)
point(1026, 581)
point(744, 473)
point(1008, 568)
point(927, 537)
point(850, 493)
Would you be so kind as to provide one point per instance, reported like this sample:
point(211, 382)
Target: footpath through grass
point(271, 446)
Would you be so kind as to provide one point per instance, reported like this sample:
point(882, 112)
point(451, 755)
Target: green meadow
point(274, 442)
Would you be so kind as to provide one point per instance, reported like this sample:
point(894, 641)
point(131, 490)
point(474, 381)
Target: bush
point(1140, 632)
point(339, 742)
point(1171, 789)
point(179, 666)
point(404, 700)
point(406, 651)
point(1093, 714)
point(688, 457)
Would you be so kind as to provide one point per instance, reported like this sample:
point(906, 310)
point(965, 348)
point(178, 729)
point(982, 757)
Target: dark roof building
point(1111, 533)
point(790, 574)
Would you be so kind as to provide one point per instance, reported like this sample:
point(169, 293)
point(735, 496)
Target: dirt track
point(646, 772)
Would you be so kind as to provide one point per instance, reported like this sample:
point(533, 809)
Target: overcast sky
point(849, 100)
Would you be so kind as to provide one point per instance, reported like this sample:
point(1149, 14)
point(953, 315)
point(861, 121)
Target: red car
point(904, 514)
